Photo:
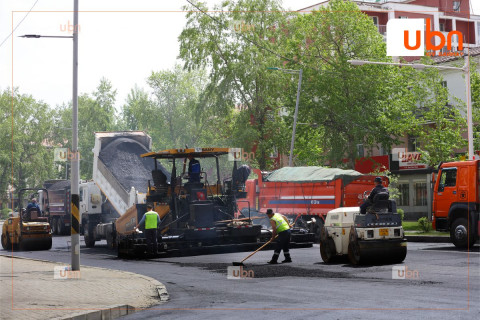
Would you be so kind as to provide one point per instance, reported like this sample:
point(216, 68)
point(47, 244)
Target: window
point(402, 17)
point(412, 144)
point(403, 198)
point(442, 27)
point(375, 20)
point(448, 178)
point(360, 151)
point(456, 6)
point(420, 195)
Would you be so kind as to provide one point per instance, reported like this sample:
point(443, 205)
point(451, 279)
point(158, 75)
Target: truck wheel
point(60, 227)
point(110, 241)
point(6, 242)
point(89, 237)
point(460, 235)
point(53, 225)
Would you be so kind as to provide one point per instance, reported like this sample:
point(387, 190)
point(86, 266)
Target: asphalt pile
point(60, 185)
point(271, 271)
point(122, 158)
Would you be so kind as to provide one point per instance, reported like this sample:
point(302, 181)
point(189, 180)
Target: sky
point(124, 47)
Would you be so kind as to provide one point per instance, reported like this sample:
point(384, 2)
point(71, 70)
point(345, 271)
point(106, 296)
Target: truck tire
point(60, 226)
point(460, 236)
point(6, 242)
point(89, 237)
point(53, 225)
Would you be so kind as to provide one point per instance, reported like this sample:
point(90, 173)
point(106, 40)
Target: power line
point(1, 44)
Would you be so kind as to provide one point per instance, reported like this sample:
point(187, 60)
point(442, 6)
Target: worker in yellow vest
point(151, 220)
point(280, 227)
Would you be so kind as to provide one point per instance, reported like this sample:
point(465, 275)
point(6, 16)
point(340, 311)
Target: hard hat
point(378, 179)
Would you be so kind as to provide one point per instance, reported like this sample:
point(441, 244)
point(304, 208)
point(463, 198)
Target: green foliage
point(96, 112)
point(475, 90)
point(401, 212)
point(424, 224)
point(353, 104)
point(26, 156)
point(440, 125)
point(238, 63)
point(4, 213)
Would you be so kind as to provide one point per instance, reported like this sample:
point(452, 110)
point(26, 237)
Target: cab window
point(448, 179)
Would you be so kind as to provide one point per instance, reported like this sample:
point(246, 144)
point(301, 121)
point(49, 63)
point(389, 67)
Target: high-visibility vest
point(280, 223)
point(151, 220)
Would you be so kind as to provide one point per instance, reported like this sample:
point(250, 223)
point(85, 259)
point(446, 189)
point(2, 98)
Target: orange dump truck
point(305, 194)
point(456, 201)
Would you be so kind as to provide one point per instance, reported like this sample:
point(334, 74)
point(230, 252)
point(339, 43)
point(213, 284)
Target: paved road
point(199, 288)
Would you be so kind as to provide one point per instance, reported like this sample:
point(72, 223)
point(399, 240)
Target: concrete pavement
point(29, 291)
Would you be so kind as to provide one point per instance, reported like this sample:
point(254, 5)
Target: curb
point(435, 239)
point(110, 312)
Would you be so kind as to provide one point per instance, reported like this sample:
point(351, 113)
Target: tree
point(475, 89)
point(96, 112)
point(26, 155)
point(440, 125)
point(353, 105)
point(238, 42)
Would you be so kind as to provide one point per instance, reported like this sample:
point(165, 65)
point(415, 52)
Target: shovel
point(251, 254)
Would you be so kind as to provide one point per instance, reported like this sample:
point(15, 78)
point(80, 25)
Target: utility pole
point(75, 212)
point(295, 117)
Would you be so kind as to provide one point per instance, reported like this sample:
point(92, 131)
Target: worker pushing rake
point(281, 230)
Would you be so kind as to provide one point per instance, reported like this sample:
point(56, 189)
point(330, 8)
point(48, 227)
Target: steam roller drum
point(36, 244)
point(381, 251)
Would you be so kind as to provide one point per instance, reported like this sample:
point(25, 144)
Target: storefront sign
point(408, 160)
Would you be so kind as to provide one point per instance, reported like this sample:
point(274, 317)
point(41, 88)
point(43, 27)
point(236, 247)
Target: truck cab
point(456, 201)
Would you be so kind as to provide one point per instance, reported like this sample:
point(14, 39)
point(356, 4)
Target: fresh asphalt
point(443, 284)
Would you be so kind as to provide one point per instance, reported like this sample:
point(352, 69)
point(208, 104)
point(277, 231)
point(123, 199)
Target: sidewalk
point(100, 293)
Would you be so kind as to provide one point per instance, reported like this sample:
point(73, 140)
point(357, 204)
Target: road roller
point(28, 228)
point(376, 237)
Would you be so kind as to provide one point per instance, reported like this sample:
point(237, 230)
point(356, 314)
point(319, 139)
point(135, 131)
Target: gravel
point(122, 157)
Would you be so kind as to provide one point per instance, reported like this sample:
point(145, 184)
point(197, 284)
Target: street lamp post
point(465, 69)
point(295, 116)
point(75, 215)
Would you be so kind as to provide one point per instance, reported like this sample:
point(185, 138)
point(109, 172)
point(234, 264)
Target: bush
point(5, 212)
point(424, 224)
point(401, 212)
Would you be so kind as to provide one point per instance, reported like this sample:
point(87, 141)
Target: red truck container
point(305, 193)
point(456, 201)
